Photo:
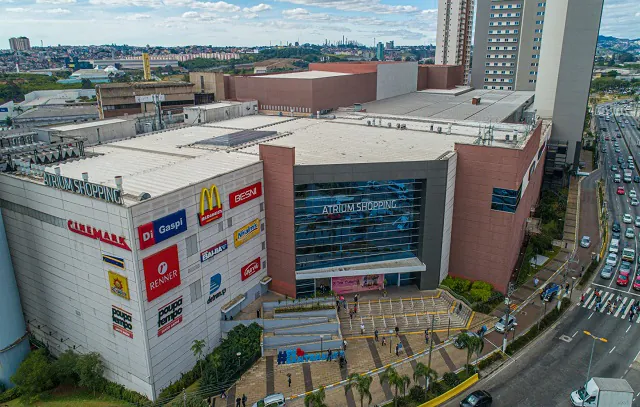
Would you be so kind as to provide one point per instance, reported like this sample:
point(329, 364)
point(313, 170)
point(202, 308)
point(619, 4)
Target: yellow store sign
point(119, 285)
point(246, 233)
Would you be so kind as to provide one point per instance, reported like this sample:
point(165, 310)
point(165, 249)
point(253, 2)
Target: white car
point(612, 259)
point(627, 218)
point(637, 221)
point(585, 241)
point(635, 202)
point(629, 233)
point(632, 194)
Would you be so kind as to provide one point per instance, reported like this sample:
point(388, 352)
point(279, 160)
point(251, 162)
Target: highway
point(557, 363)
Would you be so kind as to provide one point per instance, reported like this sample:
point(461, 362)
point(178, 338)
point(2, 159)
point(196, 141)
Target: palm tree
point(361, 383)
point(315, 399)
point(474, 344)
point(197, 348)
point(396, 380)
point(423, 370)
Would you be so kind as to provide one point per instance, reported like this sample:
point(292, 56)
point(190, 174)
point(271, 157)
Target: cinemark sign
point(94, 233)
point(245, 194)
point(210, 212)
point(250, 269)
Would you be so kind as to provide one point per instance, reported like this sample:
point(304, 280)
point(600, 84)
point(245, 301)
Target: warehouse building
point(119, 99)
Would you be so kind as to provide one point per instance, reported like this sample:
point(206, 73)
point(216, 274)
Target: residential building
point(380, 51)
point(453, 41)
point(117, 99)
point(566, 64)
point(507, 44)
point(19, 44)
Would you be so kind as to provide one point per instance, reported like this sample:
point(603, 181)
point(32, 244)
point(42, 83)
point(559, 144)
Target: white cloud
point(55, 11)
point(127, 3)
point(257, 9)
point(295, 12)
point(134, 17)
point(17, 9)
point(370, 6)
point(219, 6)
point(39, 11)
point(55, 1)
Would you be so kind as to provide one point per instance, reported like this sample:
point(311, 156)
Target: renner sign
point(161, 272)
point(245, 194)
point(250, 269)
point(209, 213)
point(162, 229)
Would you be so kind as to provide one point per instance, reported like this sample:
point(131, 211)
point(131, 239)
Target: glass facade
point(505, 200)
point(356, 222)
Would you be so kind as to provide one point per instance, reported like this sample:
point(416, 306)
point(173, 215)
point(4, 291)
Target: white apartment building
point(453, 41)
point(507, 44)
point(138, 249)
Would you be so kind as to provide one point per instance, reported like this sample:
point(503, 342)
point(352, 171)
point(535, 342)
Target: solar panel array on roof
point(237, 138)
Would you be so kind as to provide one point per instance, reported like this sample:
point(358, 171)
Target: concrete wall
point(566, 62)
point(440, 76)
point(346, 67)
point(96, 134)
point(317, 347)
point(485, 242)
point(274, 342)
point(271, 324)
point(480, 37)
point(329, 313)
point(343, 91)
point(213, 83)
point(332, 328)
point(396, 79)
point(224, 111)
point(278, 191)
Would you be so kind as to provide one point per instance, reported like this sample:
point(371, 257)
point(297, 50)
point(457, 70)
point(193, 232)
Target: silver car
point(606, 272)
point(501, 326)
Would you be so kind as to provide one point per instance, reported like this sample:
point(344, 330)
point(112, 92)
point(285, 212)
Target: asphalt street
point(558, 362)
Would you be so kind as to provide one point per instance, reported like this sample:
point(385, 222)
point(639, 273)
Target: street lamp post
point(390, 339)
point(321, 338)
point(595, 338)
point(238, 355)
point(573, 282)
point(507, 302)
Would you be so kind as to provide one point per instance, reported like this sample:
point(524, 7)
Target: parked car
point(620, 190)
point(585, 241)
point(502, 326)
point(549, 291)
point(272, 400)
point(460, 344)
point(627, 218)
point(636, 283)
point(616, 226)
point(606, 272)
point(629, 233)
point(634, 202)
point(612, 259)
point(622, 280)
point(478, 398)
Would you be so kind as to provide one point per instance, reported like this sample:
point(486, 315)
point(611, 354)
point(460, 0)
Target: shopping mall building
point(135, 248)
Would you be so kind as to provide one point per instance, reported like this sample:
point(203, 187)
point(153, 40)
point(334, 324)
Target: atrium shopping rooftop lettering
point(81, 187)
point(359, 207)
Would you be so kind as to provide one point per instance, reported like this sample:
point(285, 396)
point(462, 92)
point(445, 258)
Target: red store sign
point(161, 272)
point(250, 269)
point(245, 194)
point(94, 233)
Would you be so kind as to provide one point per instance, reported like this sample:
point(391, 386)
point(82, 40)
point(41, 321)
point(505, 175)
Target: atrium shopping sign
point(359, 207)
point(80, 187)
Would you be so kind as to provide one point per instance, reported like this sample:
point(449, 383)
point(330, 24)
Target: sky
point(245, 22)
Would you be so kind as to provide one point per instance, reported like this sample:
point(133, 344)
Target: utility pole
point(431, 342)
point(507, 302)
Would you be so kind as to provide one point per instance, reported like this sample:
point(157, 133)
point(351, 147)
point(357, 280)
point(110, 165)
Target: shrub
point(481, 285)
point(2, 388)
point(8, 395)
point(489, 360)
point(90, 370)
point(65, 367)
point(479, 295)
point(416, 393)
point(451, 379)
point(34, 375)
point(461, 285)
point(190, 401)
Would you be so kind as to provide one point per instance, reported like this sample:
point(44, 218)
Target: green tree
point(8, 121)
point(396, 380)
point(34, 375)
point(315, 399)
point(90, 369)
point(188, 400)
point(65, 367)
point(197, 348)
point(474, 344)
point(361, 383)
point(429, 375)
point(86, 84)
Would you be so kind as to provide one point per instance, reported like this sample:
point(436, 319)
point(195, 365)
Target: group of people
point(611, 305)
point(239, 400)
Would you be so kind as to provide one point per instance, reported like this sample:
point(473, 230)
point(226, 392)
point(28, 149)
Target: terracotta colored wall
point(344, 67)
point(230, 87)
point(276, 91)
point(440, 76)
point(343, 91)
point(485, 243)
point(279, 216)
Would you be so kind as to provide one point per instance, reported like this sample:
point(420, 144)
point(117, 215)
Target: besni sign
point(122, 321)
point(245, 194)
point(214, 285)
point(161, 272)
point(81, 187)
point(250, 269)
point(119, 285)
point(162, 229)
point(212, 251)
point(210, 212)
point(94, 233)
point(246, 233)
point(169, 316)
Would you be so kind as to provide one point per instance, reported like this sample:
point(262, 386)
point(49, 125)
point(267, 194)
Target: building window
point(540, 13)
point(34, 214)
point(539, 22)
point(195, 289)
point(542, 4)
point(192, 245)
point(505, 200)
point(356, 222)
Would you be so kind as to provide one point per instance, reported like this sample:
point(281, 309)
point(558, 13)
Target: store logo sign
point(162, 229)
point(359, 207)
point(212, 251)
point(113, 260)
point(250, 269)
point(122, 321)
point(246, 233)
point(94, 233)
point(169, 316)
point(214, 285)
point(245, 194)
point(209, 213)
point(81, 187)
point(119, 285)
point(161, 272)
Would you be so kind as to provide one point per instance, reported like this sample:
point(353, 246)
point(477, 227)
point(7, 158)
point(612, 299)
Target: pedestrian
point(459, 308)
point(375, 334)
point(618, 299)
point(355, 298)
point(397, 330)
point(244, 400)
point(535, 282)
point(582, 299)
point(258, 313)
point(238, 401)
point(566, 288)
point(223, 395)
point(426, 337)
point(397, 350)
point(355, 308)
point(384, 341)
point(289, 379)
point(631, 316)
point(362, 328)
point(329, 355)
point(344, 344)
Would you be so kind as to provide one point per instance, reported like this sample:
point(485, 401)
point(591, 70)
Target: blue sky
point(245, 22)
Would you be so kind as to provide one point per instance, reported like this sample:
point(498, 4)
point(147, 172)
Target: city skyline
point(244, 22)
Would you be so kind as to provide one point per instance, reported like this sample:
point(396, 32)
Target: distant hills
point(618, 45)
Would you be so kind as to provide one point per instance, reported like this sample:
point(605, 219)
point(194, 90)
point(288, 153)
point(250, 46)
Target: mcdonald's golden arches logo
point(208, 213)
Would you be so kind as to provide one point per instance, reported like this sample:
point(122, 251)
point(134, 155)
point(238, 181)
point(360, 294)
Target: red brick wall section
point(274, 92)
point(343, 91)
point(345, 67)
point(440, 76)
point(423, 74)
point(485, 243)
point(279, 215)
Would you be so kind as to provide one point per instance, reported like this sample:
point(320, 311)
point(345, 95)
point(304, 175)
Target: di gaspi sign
point(208, 212)
point(246, 233)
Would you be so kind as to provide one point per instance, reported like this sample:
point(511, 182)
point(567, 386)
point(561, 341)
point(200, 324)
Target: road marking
point(591, 315)
point(606, 297)
point(588, 300)
point(612, 349)
point(626, 311)
point(574, 334)
point(621, 307)
point(627, 329)
point(615, 289)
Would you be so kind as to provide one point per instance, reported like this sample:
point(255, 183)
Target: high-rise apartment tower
point(19, 44)
point(453, 42)
point(507, 43)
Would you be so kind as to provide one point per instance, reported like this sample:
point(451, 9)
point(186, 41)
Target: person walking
point(397, 349)
point(397, 330)
point(344, 344)
point(355, 308)
point(375, 334)
point(426, 337)
point(362, 328)
point(535, 282)
point(329, 355)
point(582, 299)
point(244, 400)
point(384, 341)
point(238, 401)
point(355, 298)
point(289, 379)
point(631, 316)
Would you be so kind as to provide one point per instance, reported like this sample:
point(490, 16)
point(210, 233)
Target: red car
point(636, 283)
point(606, 138)
point(623, 279)
point(620, 191)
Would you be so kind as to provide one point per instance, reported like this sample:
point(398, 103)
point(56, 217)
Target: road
point(557, 363)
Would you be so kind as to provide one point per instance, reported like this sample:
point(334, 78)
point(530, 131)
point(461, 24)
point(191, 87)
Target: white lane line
point(612, 349)
point(627, 329)
point(588, 300)
point(621, 307)
point(574, 334)
point(592, 304)
point(627, 309)
point(591, 315)
point(607, 296)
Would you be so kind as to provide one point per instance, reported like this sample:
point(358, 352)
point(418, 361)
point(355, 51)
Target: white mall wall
point(396, 79)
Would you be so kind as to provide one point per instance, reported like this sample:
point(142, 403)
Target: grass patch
point(68, 397)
